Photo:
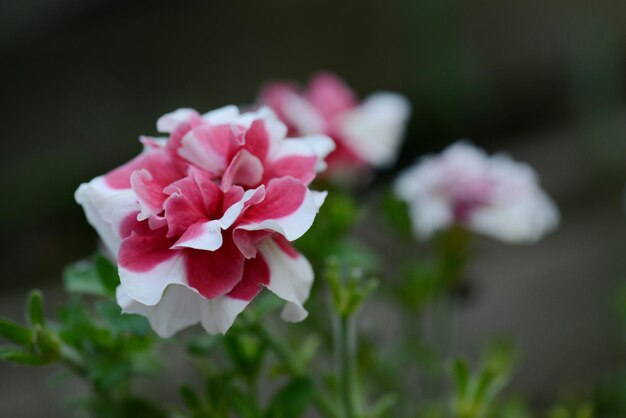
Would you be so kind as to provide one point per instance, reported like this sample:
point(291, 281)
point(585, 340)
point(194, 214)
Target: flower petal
point(214, 273)
point(225, 114)
point(201, 236)
point(525, 221)
point(291, 277)
point(194, 199)
point(374, 129)
point(103, 206)
point(208, 147)
point(289, 208)
point(168, 122)
point(218, 314)
point(301, 158)
point(330, 95)
point(245, 169)
point(178, 308)
point(256, 273)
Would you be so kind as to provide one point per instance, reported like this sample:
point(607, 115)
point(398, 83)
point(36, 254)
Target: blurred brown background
point(544, 80)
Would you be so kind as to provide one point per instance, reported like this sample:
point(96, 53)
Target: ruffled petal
point(217, 315)
point(194, 199)
point(289, 208)
point(526, 221)
point(291, 277)
point(104, 206)
point(256, 274)
point(330, 95)
point(301, 158)
point(245, 169)
point(178, 308)
point(168, 122)
point(214, 273)
point(374, 129)
point(208, 147)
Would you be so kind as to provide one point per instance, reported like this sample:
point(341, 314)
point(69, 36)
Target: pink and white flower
point(203, 219)
point(367, 133)
point(495, 195)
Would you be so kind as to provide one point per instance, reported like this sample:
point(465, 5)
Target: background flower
point(367, 133)
point(495, 195)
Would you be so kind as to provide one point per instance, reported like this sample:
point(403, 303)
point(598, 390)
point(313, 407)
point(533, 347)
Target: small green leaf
point(107, 272)
point(82, 277)
point(585, 411)
point(308, 348)
point(190, 397)
point(292, 400)
point(20, 356)
point(396, 212)
point(16, 333)
point(34, 307)
point(47, 344)
point(135, 407)
point(112, 314)
point(243, 406)
point(383, 405)
point(246, 352)
point(461, 376)
point(204, 344)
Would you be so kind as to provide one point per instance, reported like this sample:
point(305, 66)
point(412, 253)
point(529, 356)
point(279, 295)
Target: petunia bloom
point(203, 219)
point(367, 133)
point(491, 195)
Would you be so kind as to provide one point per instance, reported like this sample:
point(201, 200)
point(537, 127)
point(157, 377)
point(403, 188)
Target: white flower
point(495, 195)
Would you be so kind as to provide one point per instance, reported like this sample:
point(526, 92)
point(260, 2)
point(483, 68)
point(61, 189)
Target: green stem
point(71, 359)
point(282, 351)
point(346, 366)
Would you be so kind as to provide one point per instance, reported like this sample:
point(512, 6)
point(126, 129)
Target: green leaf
point(82, 277)
point(383, 405)
point(190, 397)
point(559, 412)
point(246, 352)
point(243, 406)
point(585, 411)
point(112, 314)
point(461, 376)
point(204, 344)
point(396, 212)
point(20, 356)
point(135, 408)
point(47, 344)
point(107, 272)
point(16, 333)
point(34, 307)
point(308, 348)
point(292, 400)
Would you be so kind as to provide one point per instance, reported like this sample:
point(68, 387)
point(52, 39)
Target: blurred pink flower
point(202, 219)
point(367, 133)
point(495, 195)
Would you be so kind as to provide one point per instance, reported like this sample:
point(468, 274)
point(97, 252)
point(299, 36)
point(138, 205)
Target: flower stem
point(285, 355)
point(345, 354)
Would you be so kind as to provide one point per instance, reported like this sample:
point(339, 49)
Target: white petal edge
point(224, 114)
point(290, 279)
point(526, 221)
point(318, 145)
point(104, 207)
point(294, 225)
point(147, 287)
point(374, 129)
point(168, 122)
point(181, 307)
